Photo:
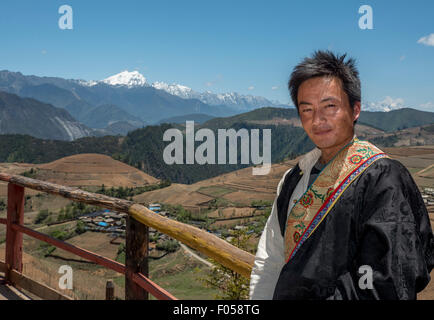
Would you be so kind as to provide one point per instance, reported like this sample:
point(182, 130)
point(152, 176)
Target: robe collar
point(309, 159)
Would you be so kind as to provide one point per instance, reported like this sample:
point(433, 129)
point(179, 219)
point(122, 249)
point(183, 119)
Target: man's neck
point(328, 153)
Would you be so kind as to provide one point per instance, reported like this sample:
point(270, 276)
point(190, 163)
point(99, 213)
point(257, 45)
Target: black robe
point(380, 221)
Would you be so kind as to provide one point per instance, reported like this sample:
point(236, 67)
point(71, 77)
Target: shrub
point(60, 234)
point(168, 245)
point(120, 256)
point(42, 215)
point(80, 227)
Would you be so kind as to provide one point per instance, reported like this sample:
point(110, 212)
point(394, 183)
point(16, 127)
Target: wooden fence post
point(109, 290)
point(136, 258)
point(14, 239)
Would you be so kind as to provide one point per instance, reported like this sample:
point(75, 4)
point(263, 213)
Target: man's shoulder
point(388, 165)
point(387, 172)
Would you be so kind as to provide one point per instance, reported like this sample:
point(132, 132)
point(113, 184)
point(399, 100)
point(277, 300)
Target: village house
point(105, 221)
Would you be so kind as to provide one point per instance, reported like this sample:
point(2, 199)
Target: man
point(348, 221)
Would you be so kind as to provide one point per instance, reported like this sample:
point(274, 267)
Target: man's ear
point(356, 110)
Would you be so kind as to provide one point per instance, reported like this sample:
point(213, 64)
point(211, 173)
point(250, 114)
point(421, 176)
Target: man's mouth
point(318, 133)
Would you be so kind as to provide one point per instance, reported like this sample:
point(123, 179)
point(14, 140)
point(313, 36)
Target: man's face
point(325, 112)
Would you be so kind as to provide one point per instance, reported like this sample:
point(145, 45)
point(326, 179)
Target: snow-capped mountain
point(233, 99)
point(176, 89)
point(124, 78)
point(388, 104)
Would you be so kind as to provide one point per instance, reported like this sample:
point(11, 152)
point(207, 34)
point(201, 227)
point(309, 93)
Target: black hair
point(326, 63)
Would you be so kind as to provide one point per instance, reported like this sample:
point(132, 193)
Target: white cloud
point(209, 84)
point(427, 40)
point(429, 106)
point(274, 87)
point(398, 102)
point(44, 52)
point(251, 88)
point(386, 105)
point(402, 58)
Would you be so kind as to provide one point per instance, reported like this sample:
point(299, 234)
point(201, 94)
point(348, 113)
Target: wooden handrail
point(88, 255)
point(209, 244)
point(212, 246)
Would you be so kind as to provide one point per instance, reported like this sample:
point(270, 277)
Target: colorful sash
point(320, 197)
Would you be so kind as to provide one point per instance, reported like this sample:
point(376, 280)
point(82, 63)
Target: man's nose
point(318, 116)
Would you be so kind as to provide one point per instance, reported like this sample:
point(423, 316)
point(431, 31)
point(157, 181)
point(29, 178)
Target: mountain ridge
point(41, 120)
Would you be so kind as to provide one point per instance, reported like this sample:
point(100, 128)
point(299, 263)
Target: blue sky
point(245, 46)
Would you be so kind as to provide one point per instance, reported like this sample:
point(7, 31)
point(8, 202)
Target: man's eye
point(306, 110)
point(331, 105)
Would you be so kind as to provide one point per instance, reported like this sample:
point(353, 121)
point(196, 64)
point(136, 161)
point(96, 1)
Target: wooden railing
point(140, 218)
